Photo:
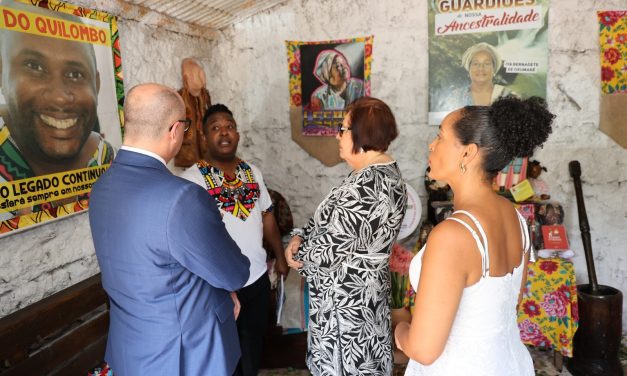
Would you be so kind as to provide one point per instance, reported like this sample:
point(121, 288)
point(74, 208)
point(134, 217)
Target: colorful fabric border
point(613, 42)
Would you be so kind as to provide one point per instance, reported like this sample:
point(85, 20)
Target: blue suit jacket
point(167, 264)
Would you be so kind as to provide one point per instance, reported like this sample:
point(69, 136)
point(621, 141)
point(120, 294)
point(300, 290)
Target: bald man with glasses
point(167, 262)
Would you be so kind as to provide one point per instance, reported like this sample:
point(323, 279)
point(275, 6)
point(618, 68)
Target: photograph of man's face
point(55, 88)
point(51, 90)
point(58, 109)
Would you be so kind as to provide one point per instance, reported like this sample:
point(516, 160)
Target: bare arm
point(273, 237)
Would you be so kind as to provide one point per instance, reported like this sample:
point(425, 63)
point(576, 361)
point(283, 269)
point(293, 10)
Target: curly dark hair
point(214, 109)
point(511, 127)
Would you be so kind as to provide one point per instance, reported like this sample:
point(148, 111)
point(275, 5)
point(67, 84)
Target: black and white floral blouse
point(345, 252)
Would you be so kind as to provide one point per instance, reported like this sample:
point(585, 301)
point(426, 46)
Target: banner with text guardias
point(60, 108)
point(480, 50)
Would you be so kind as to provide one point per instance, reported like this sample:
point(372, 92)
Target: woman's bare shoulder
point(449, 236)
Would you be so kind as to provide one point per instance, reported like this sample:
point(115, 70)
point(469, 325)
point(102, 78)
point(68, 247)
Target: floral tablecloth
point(548, 316)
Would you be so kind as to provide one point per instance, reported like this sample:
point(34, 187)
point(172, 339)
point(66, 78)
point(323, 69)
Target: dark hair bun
point(521, 124)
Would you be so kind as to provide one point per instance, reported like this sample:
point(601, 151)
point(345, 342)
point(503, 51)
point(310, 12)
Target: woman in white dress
point(470, 273)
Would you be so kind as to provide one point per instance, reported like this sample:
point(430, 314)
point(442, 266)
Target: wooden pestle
point(575, 172)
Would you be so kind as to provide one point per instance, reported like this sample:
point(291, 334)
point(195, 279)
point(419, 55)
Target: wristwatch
point(297, 232)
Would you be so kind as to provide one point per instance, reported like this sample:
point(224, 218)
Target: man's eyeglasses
point(186, 124)
point(341, 130)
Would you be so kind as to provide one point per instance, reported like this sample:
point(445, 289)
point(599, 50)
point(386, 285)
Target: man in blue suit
point(167, 261)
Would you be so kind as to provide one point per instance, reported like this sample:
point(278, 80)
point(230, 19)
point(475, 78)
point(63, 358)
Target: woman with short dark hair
point(373, 126)
point(344, 250)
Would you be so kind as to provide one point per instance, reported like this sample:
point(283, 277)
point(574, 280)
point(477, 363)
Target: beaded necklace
point(237, 194)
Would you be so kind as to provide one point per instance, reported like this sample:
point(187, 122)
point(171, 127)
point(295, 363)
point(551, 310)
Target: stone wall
point(246, 69)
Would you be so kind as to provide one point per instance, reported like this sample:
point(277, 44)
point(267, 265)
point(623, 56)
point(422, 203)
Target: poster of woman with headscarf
point(338, 88)
point(326, 77)
point(480, 52)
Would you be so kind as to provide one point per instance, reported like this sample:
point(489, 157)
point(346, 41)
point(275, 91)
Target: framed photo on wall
point(326, 77)
point(479, 52)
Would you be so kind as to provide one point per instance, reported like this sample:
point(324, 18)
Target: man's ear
point(172, 132)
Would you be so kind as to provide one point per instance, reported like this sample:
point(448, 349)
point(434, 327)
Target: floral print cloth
point(547, 315)
point(613, 41)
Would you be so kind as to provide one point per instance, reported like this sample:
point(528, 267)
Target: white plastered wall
point(247, 70)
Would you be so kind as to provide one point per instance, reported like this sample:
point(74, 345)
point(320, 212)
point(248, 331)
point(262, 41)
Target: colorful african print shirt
point(233, 194)
point(242, 199)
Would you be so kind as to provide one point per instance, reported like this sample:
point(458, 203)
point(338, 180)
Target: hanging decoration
point(613, 41)
point(325, 77)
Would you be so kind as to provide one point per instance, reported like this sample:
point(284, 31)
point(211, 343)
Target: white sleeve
point(193, 174)
point(265, 201)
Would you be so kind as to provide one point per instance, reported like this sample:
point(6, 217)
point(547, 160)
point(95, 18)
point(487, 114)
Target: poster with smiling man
point(61, 85)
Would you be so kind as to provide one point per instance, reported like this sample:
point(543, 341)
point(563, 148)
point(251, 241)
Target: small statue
point(540, 188)
point(197, 101)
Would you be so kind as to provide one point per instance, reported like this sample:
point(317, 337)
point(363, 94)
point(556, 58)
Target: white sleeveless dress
point(484, 339)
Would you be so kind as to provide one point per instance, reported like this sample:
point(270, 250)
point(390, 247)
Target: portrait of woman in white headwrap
point(482, 62)
point(338, 88)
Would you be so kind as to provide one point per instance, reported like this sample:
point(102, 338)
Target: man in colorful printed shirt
point(238, 189)
point(50, 87)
